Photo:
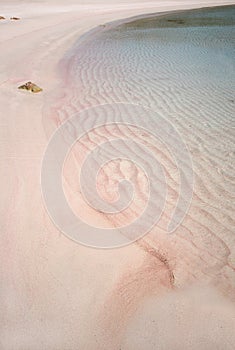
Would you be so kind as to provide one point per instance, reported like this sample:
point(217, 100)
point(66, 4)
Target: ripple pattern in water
point(182, 66)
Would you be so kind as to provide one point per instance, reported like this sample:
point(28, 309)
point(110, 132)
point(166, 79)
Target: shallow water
point(217, 16)
point(180, 65)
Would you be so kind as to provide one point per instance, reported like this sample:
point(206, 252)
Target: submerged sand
point(55, 293)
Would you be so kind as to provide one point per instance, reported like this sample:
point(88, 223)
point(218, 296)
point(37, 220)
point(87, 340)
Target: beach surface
point(58, 294)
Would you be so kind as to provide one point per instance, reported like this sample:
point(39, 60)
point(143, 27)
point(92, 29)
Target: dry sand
point(56, 294)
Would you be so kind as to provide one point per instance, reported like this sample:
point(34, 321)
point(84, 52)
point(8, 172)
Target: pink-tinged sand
point(54, 293)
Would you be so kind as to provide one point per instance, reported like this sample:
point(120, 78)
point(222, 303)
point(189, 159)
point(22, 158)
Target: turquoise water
point(180, 64)
point(166, 62)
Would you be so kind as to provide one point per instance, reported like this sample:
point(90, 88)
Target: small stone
point(1, 17)
point(15, 18)
point(30, 87)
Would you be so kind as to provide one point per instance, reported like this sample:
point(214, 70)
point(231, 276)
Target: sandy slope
point(56, 294)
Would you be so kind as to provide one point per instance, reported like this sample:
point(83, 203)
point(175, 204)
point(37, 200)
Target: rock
point(35, 88)
point(30, 87)
point(15, 18)
point(1, 17)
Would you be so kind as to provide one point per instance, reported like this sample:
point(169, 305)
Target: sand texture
point(164, 291)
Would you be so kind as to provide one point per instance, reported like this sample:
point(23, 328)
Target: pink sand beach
point(160, 292)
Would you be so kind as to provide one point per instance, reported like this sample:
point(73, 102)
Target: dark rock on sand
point(30, 87)
point(1, 17)
point(15, 18)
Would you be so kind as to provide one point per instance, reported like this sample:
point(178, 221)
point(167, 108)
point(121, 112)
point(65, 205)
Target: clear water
point(182, 66)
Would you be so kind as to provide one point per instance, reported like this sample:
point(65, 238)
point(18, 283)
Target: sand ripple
point(187, 75)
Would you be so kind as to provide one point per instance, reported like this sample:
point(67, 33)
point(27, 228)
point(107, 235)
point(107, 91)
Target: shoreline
point(53, 288)
point(110, 25)
point(68, 68)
